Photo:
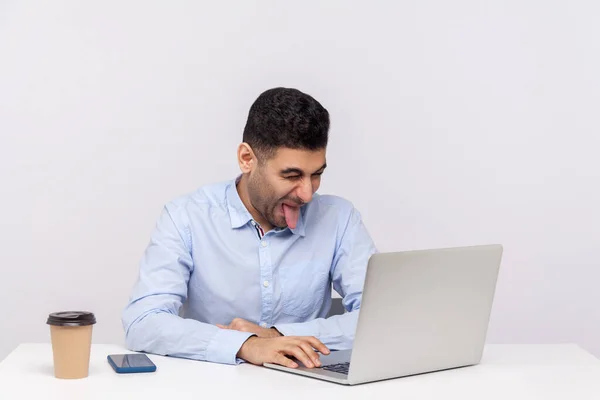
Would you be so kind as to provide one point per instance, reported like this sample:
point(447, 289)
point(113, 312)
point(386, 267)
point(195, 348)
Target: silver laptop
point(421, 311)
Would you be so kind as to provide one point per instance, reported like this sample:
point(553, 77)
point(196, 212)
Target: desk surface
point(507, 372)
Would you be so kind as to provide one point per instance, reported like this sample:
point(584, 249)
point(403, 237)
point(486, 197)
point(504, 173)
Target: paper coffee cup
point(71, 335)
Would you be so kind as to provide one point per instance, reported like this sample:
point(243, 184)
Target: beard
point(265, 200)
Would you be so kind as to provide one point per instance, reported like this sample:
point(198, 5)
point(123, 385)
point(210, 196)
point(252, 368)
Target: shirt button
point(263, 324)
point(263, 243)
point(266, 283)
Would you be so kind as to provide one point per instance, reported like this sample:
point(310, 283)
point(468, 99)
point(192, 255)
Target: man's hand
point(239, 324)
point(258, 350)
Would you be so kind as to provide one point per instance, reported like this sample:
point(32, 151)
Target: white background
point(453, 123)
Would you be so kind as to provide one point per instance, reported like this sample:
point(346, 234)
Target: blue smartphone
point(131, 363)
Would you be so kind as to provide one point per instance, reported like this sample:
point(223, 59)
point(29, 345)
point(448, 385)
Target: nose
point(305, 191)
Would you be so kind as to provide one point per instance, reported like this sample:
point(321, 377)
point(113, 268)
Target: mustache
point(296, 200)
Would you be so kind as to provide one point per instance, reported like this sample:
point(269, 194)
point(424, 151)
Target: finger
point(299, 353)
point(237, 322)
point(314, 357)
point(283, 360)
point(317, 344)
point(222, 326)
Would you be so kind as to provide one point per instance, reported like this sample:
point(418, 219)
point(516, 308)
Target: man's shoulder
point(333, 200)
point(328, 203)
point(203, 198)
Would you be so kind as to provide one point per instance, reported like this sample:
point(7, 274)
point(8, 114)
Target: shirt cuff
point(224, 346)
point(298, 329)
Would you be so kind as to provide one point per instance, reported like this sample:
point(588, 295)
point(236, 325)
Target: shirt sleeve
point(348, 274)
point(151, 318)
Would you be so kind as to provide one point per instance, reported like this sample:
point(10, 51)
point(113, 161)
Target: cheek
point(285, 190)
point(316, 182)
point(269, 191)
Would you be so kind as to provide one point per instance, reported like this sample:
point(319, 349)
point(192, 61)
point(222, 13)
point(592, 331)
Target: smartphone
point(131, 363)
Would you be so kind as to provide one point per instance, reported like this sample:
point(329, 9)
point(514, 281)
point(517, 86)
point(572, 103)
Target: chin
point(281, 225)
point(278, 220)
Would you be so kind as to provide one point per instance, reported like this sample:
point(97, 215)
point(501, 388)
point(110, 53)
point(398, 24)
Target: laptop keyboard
point(341, 368)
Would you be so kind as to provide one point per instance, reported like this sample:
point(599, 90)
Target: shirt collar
point(240, 216)
point(238, 213)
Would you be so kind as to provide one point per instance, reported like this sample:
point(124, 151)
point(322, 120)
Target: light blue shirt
point(206, 255)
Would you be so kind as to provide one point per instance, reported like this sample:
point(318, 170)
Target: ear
point(246, 158)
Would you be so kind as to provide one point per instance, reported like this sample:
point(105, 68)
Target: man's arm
point(348, 274)
point(151, 319)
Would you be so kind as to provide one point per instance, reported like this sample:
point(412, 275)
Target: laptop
point(422, 311)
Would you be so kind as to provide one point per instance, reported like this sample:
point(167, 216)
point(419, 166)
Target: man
point(255, 258)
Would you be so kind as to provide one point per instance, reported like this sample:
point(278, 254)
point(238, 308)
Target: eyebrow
point(298, 171)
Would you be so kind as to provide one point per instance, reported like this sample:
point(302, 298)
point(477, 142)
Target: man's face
point(279, 186)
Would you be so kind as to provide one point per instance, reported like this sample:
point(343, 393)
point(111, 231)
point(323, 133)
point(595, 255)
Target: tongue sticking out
point(291, 216)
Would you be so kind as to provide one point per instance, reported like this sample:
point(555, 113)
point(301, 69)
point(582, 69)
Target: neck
point(242, 189)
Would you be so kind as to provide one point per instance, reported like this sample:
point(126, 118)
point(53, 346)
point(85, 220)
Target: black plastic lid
point(71, 318)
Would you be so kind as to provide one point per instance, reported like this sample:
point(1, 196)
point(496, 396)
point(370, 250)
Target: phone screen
point(131, 360)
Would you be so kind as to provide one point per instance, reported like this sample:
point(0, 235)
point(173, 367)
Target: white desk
point(544, 372)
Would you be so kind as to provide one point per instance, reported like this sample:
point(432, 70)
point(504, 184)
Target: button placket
point(264, 251)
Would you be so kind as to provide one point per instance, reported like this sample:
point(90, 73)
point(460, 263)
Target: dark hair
point(283, 117)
